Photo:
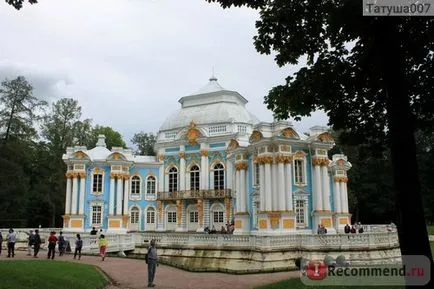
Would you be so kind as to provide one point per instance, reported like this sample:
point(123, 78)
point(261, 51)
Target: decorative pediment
point(341, 162)
point(117, 156)
point(98, 171)
point(326, 137)
point(233, 144)
point(289, 133)
point(255, 136)
point(299, 155)
point(193, 133)
point(301, 193)
point(81, 155)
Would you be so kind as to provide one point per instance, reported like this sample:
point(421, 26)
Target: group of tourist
point(229, 229)
point(354, 228)
point(321, 229)
point(10, 240)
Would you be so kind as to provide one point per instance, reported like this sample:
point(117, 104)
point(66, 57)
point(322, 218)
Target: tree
point(112, 137)
point(373, 76)
point(145, 143)
point(18, 4)
point(19, 110)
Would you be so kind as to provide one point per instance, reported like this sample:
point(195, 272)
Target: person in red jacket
point(52, 240)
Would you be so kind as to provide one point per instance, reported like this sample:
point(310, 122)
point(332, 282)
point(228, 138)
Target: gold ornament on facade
point(285, 159)
point(192, 134)
point(228, 207)
point(98, 171)
point(241, 166)
point(274, 219)
point(285, 148)
point(161, 157)
point(299, 155)
point(340, 162)
point(179, 211)
point(255, 136)
point(233, 144)
point(125, 220)
point(181, 155)
point(320, 161)
point(264, 160)
point(204, 153)
point(326, 137)
point(115, 156)
point(160, 208)
point(80, 155)
point(82, 175)
point(126, 177)
point(200, 211)
point(339, 179)
point(289, 133)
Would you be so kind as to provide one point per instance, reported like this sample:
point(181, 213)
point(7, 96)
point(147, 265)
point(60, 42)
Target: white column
point(112, 196)
point(325, 188)
point(337, 197)
point(126, 194)
point(262, 187)
point(74, 195)
point(281, 187)
point(268, 181)
point(274, 188)
point(243, 190)
point(237, 189)
point(317, 188)
point(203, 172)
point(288, 187)
point(345, 195)
point(161, 187)
point(182, 173)
point(82, 191)
point(342, 197)
point(119, 193)
point(229, 174)
point(68, 196)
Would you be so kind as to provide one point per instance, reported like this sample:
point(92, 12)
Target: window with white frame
point(173, 179)
point(218, 217)
point(96, 214)
point(300, 212)
point(219, 177)
point(194, 178)
point(135, 186)
point(215, 129)
point(150, 216)
point(171, 217)
point(97, 183)
point(194, 217)
point(134, 215)
point(170, 135)
point(256, 174)
point(150, 186)
point(299, 175)
point(242, 128)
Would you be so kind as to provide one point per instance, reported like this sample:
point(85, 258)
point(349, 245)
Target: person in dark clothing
point(78, 246)
point(93, 232)
point(347, 229)
point(152, 263)
point(52, 240)
point(62, 244)
point(353, 230)
point(36, 244)
point(1, 242)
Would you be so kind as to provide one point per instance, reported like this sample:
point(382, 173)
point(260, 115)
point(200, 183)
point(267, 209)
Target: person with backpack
point(62, 244)
point(52, 240)
point(78, 246)
point(36, 244)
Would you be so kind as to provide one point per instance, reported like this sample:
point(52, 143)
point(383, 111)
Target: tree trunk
point(412, 230)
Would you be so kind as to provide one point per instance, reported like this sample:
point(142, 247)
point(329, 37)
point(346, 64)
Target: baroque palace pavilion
point(216, 163)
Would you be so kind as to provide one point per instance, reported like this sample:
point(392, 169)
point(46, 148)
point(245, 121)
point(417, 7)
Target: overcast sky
point(128, 62)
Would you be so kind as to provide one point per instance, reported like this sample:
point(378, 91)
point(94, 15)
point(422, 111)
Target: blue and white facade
point(216, 163)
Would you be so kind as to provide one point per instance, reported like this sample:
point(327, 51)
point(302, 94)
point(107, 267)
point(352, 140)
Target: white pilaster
point(262, 187)
point(112, 196)
point(317, 188)
point(68, 196)
point(229, 174)
point(337, 197)
point(243, 190)
point(267, 187)
point(161, 180)
point(81, 199)
point(281, 206)
point(345, 196)
point(325, 188)
point(342, 197)
point(182, 176)
point(238, 190)
point(119, 193)
point(74, 195)
point(288, 187)
point(274, 188)
point(126, 193)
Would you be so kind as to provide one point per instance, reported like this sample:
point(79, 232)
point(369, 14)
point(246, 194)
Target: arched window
point(194, 178)
point(219, 177)
point(150, 215)
point(150, 186)
point(135, 186)
point(173, 179)
point(134, 215)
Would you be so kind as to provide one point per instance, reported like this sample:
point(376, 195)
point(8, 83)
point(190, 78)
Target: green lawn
point(295, 283)
point(431, 230)
point(46, 274)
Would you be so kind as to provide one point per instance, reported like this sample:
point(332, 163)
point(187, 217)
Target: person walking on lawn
point(52, 240)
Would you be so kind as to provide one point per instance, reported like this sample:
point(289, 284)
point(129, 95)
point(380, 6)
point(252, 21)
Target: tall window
point(135, 186)
point(97, 183)
point(150, 185)
point(171, 217)
point(256, 174)
point(300, 212)
point(218, 217)
point(150, 216)
point(96, 214)
point(194, 178)
point(134, 215)
point(194, 217)
point(299, 172)
point(219, 177)
point(173, 179)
